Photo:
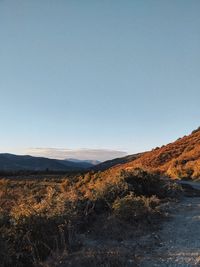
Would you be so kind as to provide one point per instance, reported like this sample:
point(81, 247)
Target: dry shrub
point(144, 183)
point(133, 208)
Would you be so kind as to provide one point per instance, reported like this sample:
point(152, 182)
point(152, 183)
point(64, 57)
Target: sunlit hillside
point(180, 159)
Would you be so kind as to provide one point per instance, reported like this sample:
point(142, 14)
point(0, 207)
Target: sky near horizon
point(105, 77)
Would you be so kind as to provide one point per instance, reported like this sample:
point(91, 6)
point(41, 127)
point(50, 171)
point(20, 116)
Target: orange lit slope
point(180, 159)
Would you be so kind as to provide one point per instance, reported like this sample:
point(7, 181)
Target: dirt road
point(179, 239)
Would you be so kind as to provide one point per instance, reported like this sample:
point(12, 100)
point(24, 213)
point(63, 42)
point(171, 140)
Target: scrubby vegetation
point(180, 159)
point(61, 222)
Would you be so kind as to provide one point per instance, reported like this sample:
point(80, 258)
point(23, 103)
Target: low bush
point(144, 183)
point(133, 208)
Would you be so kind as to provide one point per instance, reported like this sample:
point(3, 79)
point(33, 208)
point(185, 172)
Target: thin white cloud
point(82, 154)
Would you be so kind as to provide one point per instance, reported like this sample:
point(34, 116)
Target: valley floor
point(179, 239)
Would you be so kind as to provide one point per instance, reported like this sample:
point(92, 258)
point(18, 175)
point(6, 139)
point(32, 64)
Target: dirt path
point(179, 239)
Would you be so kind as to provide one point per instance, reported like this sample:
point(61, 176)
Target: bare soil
point(179, 239)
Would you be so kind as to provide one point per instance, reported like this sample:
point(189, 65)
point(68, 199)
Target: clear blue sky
point(121, 75)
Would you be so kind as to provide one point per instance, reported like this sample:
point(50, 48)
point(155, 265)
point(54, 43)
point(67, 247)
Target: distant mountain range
point(89, 162)
point(10, 162)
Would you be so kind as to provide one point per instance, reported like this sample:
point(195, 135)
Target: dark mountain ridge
point(11, 162)
point(113, 162)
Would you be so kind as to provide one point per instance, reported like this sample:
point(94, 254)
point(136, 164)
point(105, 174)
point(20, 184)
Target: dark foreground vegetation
point(79, 220)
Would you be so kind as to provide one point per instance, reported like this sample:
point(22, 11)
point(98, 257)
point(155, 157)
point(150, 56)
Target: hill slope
point(113, 162)
point(180, 159)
